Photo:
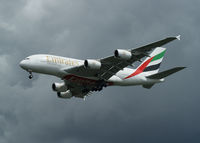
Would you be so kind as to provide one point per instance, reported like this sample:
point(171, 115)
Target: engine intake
point(67, 94)
point(123, 54)
point(92, 64)
point(59, 87)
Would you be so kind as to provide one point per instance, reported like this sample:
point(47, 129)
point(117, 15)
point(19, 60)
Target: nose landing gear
point(30, 75)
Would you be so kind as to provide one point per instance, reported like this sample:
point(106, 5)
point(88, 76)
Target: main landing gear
point(100, 85)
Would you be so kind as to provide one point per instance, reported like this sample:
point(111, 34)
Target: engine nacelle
point(92, 64)
point(59, 87)
point(123, 54)
point(67, 94)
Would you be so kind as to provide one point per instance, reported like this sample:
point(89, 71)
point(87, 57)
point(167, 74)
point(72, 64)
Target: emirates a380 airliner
point(81, 77)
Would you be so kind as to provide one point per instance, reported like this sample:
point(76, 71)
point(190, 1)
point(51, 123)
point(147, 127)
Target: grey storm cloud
point(31, 112)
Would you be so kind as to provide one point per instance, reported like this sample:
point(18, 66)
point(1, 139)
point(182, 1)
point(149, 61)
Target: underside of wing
point(83, 86)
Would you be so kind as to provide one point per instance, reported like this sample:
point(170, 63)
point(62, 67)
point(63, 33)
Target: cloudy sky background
point(31, 112)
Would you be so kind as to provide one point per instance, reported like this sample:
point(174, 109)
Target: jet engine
point(59, 87)
point(66, 94)
point(123, 54)
point(92, 64)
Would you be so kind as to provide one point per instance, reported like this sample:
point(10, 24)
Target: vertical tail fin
point(151, 64)
point(154, 61)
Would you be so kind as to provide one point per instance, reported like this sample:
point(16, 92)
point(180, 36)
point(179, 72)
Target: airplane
point(82, 77)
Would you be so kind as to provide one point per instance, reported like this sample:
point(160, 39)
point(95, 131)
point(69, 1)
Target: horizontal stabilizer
point(148, 86)
point(165, 73)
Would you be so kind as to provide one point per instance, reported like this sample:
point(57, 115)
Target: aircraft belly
point(129, 82)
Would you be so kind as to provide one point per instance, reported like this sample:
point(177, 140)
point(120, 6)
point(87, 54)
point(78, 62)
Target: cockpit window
point(27, 58)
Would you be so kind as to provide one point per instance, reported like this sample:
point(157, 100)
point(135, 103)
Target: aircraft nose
point(22, 64)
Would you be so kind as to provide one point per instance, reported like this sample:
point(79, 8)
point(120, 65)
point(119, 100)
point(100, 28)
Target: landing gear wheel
point(30, 76)
point(100, 88)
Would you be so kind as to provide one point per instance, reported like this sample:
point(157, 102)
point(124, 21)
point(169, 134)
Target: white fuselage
point(55, 65)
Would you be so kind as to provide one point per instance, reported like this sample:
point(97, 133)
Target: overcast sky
point(31, 112)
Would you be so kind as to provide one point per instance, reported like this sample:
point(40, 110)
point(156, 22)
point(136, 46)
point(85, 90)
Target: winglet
point(178, 37)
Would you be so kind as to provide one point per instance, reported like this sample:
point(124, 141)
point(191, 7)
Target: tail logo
point(143, 67)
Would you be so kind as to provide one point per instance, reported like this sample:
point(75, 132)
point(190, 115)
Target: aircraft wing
point(111, 65)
